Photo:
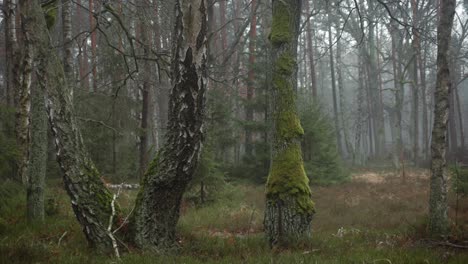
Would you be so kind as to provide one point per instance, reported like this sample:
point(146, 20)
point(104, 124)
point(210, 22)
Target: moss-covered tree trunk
point(289, 207)
point(157, 207)
point(91, 201)
point(438, 206)
point(37, 155)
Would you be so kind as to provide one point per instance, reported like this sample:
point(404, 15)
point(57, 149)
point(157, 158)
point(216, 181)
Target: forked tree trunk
point(91, 201)
point(289, 207)
point(438, 207)
point(157, 207)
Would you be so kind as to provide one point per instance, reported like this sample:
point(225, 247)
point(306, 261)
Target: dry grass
point(365, 220)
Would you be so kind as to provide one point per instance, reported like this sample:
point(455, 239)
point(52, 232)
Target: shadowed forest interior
point(234, 131)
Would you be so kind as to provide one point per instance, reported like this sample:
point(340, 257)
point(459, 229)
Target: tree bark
point(289, 207)
point(415, 84)
point(311, 50)
point(145, 91)
point(10, 50)
point(91, 201)
point(67, 43)
point(22, 72)
point(333, 84)
point(92, 28)
point(399, 92)
point(376, 108)
point(37, 155)
point(438, 207)
point(249, 113)
point(157, 207)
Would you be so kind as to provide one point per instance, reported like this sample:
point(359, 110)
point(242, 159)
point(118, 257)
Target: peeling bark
point(157, 207)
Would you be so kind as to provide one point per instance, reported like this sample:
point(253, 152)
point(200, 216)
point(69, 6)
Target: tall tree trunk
point(67, 43)
point(438, 207)
point(422, 76)
point(10, 50)
point(38, 154)
point(91, 201)
point(145, 91)
point(344, 122)
point(289, 208)
point(82, 55)
point(415, 84)
point(22, 72)
point(311, 50)
point(93, 30)
point(376, 109)
point(249, 116)
point(333, 84)
point(399, 92)
point(157, 207)
point(460, 118)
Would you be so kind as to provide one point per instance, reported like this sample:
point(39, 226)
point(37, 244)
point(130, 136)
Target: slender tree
point(438, 207)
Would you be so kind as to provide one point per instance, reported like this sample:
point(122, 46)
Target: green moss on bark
point(102, 198)
point(288, 125)
point(280, 31)
point(288, 178)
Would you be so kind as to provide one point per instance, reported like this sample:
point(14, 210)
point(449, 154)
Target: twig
point(124, 222)
point(109, 228)
point(60, 239)
point(448, 244)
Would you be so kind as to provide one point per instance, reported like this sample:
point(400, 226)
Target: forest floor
point(376, 217)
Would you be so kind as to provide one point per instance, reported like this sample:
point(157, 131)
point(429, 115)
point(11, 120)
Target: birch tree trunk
point(22, 77)
point(92, 203)
point(438, 205)
point(157, 207)
point(289, 207)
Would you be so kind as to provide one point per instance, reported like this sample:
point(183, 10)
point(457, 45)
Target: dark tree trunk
point(438, 207)
point(157, 207)
point(289, 207)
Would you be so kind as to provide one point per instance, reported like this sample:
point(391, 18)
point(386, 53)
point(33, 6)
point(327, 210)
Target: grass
point(375, 218)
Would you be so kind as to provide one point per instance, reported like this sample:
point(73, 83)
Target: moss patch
point(288, 178)
point(280, 31)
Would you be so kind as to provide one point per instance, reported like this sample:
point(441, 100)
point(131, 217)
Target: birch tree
point(438, 204)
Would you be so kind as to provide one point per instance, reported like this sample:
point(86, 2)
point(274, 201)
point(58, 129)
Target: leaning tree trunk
point(438, 207)
point(157, 207)
point(92, 203)
point(289, 207)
